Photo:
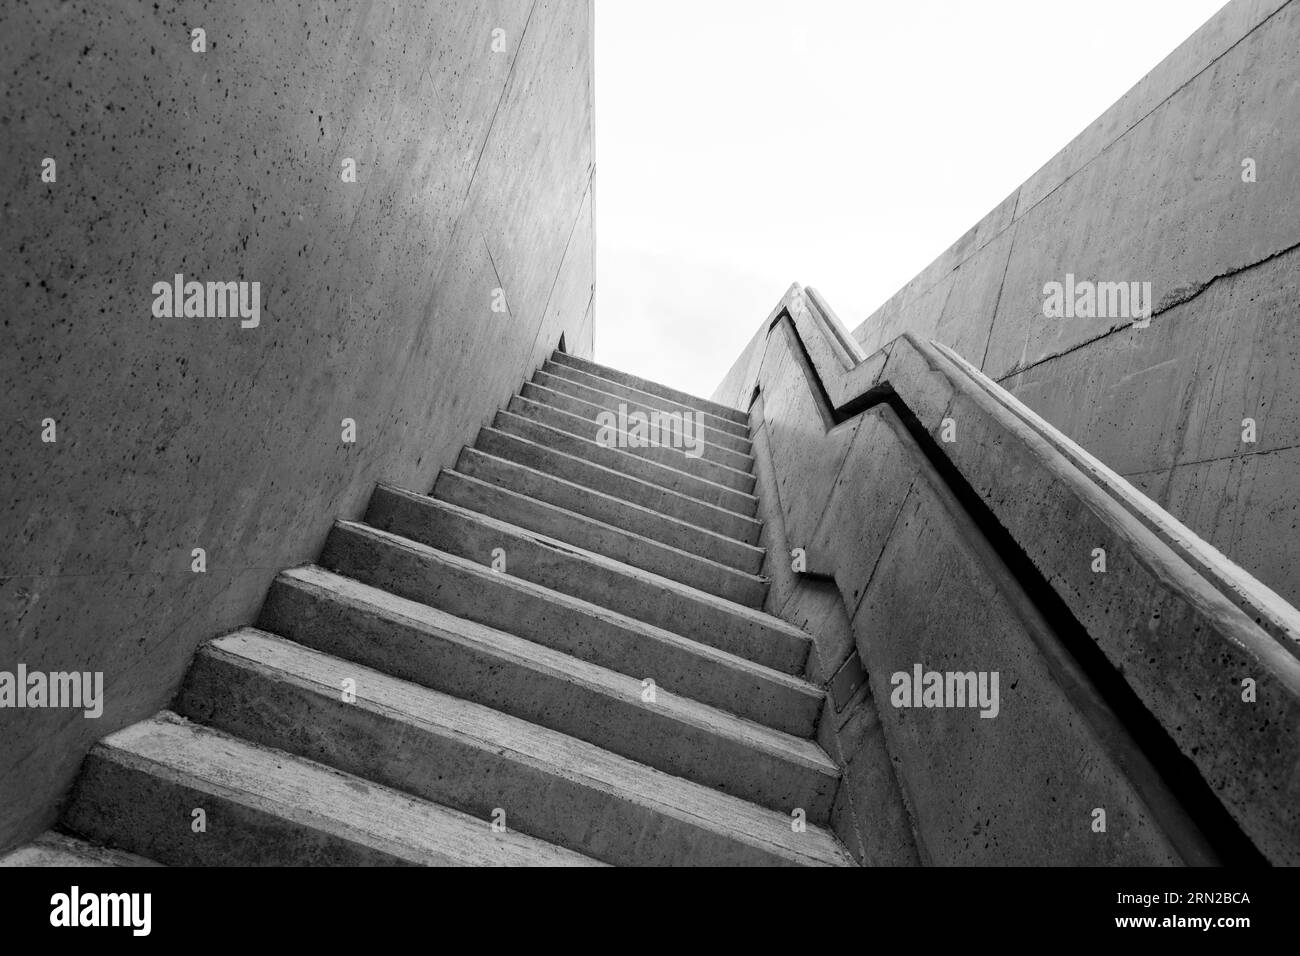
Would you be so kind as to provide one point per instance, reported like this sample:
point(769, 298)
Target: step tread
point(709, 435)
point(673, 496)
point(643, 399)
point(53, 848)
point(572, 517)
point(539, 657)
point(320, 797)
point(658, 580)
point(648, 632)
point(555, 399)
point(644, 595)
point(635, 381)
point(754, 552)
point(552, 416)
point(520, 740)
point(697, 487)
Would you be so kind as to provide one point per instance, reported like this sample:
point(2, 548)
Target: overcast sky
point(742, 145)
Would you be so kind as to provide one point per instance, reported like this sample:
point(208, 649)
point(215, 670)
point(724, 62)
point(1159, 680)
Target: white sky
point(742, 145)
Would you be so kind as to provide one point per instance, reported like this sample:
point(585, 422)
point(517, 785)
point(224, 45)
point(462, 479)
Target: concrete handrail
point(847, 390)
point(1214, 623)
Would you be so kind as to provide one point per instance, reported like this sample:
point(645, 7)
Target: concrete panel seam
point(1016, 212)
point(1206, 461)
point(505, 88)
point(1143, 118)
point(997, 303)
point(1165, 306)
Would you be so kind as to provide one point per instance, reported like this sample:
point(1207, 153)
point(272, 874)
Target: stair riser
point(654, 388)
point(126, 804)
point(612, 542)
point(582, 631)
point(619, 589)
point(617, 485)
point(615, 719)
point(632, 465)
point(579, 500)
point(742, 480)
point(639, 399)
point(668, 453)
point(729, 440)
point(451, 769)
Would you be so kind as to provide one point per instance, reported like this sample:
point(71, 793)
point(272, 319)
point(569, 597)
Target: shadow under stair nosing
point(613, 686)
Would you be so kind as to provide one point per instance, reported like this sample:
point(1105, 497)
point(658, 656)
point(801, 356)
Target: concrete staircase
point(612, 694)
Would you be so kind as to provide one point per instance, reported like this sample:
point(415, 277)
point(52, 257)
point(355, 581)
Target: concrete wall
point(904, 565)
point(1153, 191)
point(956, 524)
point(474, 173)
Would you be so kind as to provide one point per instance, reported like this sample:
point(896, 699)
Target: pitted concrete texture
point(473, 173)
point(1153, 191)
point(406, 703)
point(1177, 667)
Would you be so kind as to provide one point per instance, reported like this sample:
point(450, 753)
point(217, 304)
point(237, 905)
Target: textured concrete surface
point(460, 699)
point(599, 505)
point(473, 173)
point(620, 460)
point(587, 631)
point(593, 535)
point(541, 410)
point(550, 688)
point(1021, 787)
point(1153, 191)
point(58, 849)
point(580, 470)
point(869, 815)
point(262, 807)
point(474, 758)
point(1183, 631)
point(583, 574)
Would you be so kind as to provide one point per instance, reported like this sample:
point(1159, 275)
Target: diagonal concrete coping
point(1269, 609)
point(849, 392)
point(1170, 642)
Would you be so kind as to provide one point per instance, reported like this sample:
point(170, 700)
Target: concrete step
point(708, 451)
point(654, 388)
point(53, 848)
point(536, 682)
point(585, 630)
point(610, 510)
point(636, 398)
point(140, 786)
point(557, 418)
point(459, 754)
point(730, 440)
point(620, 460)
point(606, 539)
point(616, 484)
point(553, 564)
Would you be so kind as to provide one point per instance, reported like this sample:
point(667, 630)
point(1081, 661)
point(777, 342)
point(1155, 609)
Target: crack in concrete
point(496, 272)
point(1206, 461)
point(1006, 267)
point(1195, 290)
point(505, 88)
point(1016, 213)
point(564, 256)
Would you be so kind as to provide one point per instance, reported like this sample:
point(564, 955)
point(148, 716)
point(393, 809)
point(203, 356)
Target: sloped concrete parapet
point(1184, 666)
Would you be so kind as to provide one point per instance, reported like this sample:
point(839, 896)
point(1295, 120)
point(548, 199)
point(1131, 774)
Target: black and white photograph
point(692, 433)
